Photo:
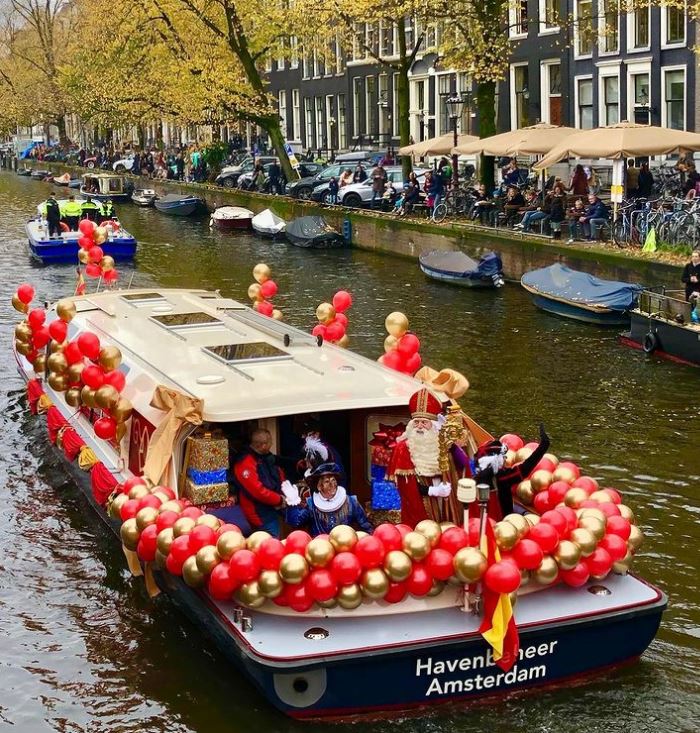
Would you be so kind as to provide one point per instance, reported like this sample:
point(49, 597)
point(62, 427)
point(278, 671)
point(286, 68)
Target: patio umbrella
point(441, 145)
point(534, 140)
point(624, 140)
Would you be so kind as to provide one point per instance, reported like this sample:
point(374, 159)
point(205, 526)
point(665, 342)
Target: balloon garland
point(261, 290)
point(332, 321)
point(97, 263)
point(400, 347)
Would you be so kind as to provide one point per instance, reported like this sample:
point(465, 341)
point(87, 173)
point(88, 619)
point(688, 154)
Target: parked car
point(306, 170)
point(119, 166)
point(228, 178)
point(360, 194)
point(304, 188)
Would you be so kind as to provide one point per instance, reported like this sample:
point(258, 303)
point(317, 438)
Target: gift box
point(206, 493)
point(385, 496)
point(378, 472)
point(383, 442)
point(384, 516)
point(207, 453)
point(203, 478)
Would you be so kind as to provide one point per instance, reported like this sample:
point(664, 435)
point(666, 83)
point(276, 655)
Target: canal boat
point(268, 224)
point(67, 181)
point(229, 218)
point(144, 197)
point(179, 204)
point(51, 250)
point(313, 232)
point(195, 358)
point(457, 268)
point(573, 294)
point(105, 187)
point(40, 175)
point(24, 172)
point(662, 324)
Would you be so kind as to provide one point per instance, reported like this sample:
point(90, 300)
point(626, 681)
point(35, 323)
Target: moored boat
point(313, 232)
point(178, 204)
point(189, 357)
point(25, 172)
point(105, 187)
point(573, 294)
point(144, 197)
point(457, 268)
point(662, 324)
point(40, 175)
point(228, 218)
point(268, 224)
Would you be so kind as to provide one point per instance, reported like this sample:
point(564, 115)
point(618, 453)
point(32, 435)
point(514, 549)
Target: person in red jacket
point(262, 484)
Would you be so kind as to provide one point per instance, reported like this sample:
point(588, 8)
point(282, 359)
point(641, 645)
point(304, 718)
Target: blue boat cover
point(461, 265)
point(562, 282)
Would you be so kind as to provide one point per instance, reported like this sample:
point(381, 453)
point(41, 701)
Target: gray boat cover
point(461, 265)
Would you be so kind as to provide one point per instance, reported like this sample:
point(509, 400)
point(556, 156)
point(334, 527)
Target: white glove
point(291, 494)
point(441, 489)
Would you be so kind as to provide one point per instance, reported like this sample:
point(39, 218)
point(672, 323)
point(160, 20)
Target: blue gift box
point(203, 478)
point(385, 495)
point(378, 472)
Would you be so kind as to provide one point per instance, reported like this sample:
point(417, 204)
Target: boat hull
point(468, 281)
point(669, 340)
point(232, 225)
point(577, 313)
point(180, 209)
point(125, 196)
point(55, 251)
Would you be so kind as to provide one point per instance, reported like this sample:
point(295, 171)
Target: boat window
point(142, 296)
point(239, 353)
point(174, 320)
point(145, 300)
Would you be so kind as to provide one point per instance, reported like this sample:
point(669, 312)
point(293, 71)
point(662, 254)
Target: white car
point(360, 194)
point(123, 165)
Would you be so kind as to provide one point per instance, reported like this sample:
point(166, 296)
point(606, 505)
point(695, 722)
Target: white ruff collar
point(330, 505)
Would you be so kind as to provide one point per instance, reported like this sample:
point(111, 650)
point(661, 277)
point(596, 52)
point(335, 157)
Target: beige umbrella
point(624, 140)
point(441, 145)
point(534, 140)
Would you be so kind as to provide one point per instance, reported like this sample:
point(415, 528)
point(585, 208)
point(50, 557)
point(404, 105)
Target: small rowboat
point(458, 268)
point(144, 197)
point(313, 232)
point(268, 224)
point(565, 292)
point(228, 218)
point(178, 205)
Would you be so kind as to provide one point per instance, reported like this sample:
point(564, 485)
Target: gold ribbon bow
point(447, 381)
point(87, 458)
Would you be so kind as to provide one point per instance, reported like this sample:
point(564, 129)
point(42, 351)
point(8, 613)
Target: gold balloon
point(540, 480)
point(330, 603)
point(115, 506)
point(160, 560)
point(106, 397)
point(293, 568)
point(416, 545)
point(592, 512)
point(73, 397)
point(207, 559)
point(437, 588)
point(65, 310)
point(249, 595)
point(390, 343)
point(146, 516)
point(594, 525)
point(191, 574)
point(57, 363)
point(584, 539)
point(522, 454)
point(74, 372)
point(506, 535)
point(55, 346)
point(446, 525)
point(510, 458)
point(547, 571)
point(58, 382)
point(470, 564)
point(18, 305)
point(23, 331)
point(138, 491)
point(567, 554)
point(184, 525)
point(622, 567)
point(396, 324)
point(525, 577)
point(532, 519)
point(162, 496)
point(319, 552)
point(343, 342)
point(564, 473)
point(87, 395)
point(551, 457)
point(350, 596)
point(262, 273)
point(325, 312)
point(397, 565)
point(518, 521)
point(277, 314)
point(343, 538)
point(23, 348)
point(575, 497)
point(374, 584)
point(100, 235)
point(110, 358)
point(360, 534)
point(254, 291)
point(229, 543)
point(39, 363)
point(636, 538)
point(431, 530)
point(123, 409)
point(130, 533)
point(626, 512)
point(83, 256)
point(107, 263)
point(120, 432)
point(170, 506)
point(600, 496)
point(164, 540)
point(208, 520)
point(256, 539)
point(270, 583)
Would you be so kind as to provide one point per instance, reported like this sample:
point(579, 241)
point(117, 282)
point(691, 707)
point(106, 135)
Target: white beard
point(424, 450)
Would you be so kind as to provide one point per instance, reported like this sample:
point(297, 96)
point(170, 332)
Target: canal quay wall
point(382, 232)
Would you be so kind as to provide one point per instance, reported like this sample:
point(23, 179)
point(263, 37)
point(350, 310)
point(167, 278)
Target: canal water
point(82, 649)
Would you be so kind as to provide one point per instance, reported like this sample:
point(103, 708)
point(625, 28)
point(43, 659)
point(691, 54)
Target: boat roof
point(243, 365)
point(103, 175)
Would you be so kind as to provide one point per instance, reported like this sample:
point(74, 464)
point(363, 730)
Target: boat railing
point(665, 305)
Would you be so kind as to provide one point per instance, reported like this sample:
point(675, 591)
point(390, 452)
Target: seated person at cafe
point(595, 218)
point(513, 203)
point(573, 216)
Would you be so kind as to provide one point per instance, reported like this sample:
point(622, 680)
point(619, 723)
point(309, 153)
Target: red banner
point(141, 431)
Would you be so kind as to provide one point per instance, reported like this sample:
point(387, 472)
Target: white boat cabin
point(103, 184)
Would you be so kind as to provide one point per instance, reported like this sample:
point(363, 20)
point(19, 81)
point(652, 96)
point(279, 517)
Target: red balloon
point(36, 318)
point(25, 293)
point(609, 509)
point(346, 568)
point(87, 227)
point(588, 484)
point(557, 491)
point(222, 584)
point(577, 576)
point(172, 565)
point(394, 360)
point(619, 526)
point(228, 528)
point(334, 331)
point(89, 345)
point(342, 319)
point(413, 363)
point(105, 428)
point(545, 465)
point(545, 535)
point(180, 548)
point(129, 509)
point(201, 536)
point(453, 539)
point(615, 496)
point(270, 553)
point(166, 519)
point(342, 300)
point(72, 351)
point(268, 289)
point(296, 542)
point(588, 504)
point(474, 528)
point(439, 563)
point(532, 445)
point(265, 308)
point(96, 254)
point(419, 582)
point(389, 536)
point(192, 512)
point(404, 529)
point(283, 598)
point(129, 484)
point(527, 554)
point(93, 376)
point(569, 515)
point(572, 466)
point(116, 379)
point(370, 552)
point(557, 520)
point(502, 577)
point(58, 330)
point(165, 489)
point(599, 562)
point(396, 593)
point(408, 344)
point(512, 441)
point(321, 584)
point(146, 548)
point(298, 598)
point(110, 276)
point(319, 330)
point(85, 242)
point(41, 337)
point(93, 270)
point(150, 500)
point(615, 546)
point(542, 502)
point(245, 566)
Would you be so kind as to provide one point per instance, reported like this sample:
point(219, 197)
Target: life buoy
point(64, 227)
point(650, 343)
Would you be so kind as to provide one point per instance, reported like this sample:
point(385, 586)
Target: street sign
point(292, 158)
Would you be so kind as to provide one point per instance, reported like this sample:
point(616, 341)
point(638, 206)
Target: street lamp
point(332, 123)
point(454, 104)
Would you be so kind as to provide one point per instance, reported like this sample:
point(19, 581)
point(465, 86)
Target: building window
point(281, 57)
point(370, 106)
point(339, 58)
point(638, 25)
point(293, 53)
point(342, 136)
point(386, 38)
point(551, 93)
point(549, 15)
point(268, 63)
point(318, 65)
point(305, 67)
point(321, 141)
point(444, 88)
point(674, 25)
point(584, 102)
point(610, 99)
point(282, 110)
point(395, 105)
point(372, 38)
point(583, 28)
point(309, 121)
point(517, 18)
point(610, 26)
point(356, 106)
point(431, 37)
point(674, 98)
point(409, 33)
point(640, 88)
point(520, 96)
point(383, 102)
point(296, 116)
point(358, 40)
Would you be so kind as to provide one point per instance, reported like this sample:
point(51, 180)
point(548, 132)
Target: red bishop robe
point(403, 473)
